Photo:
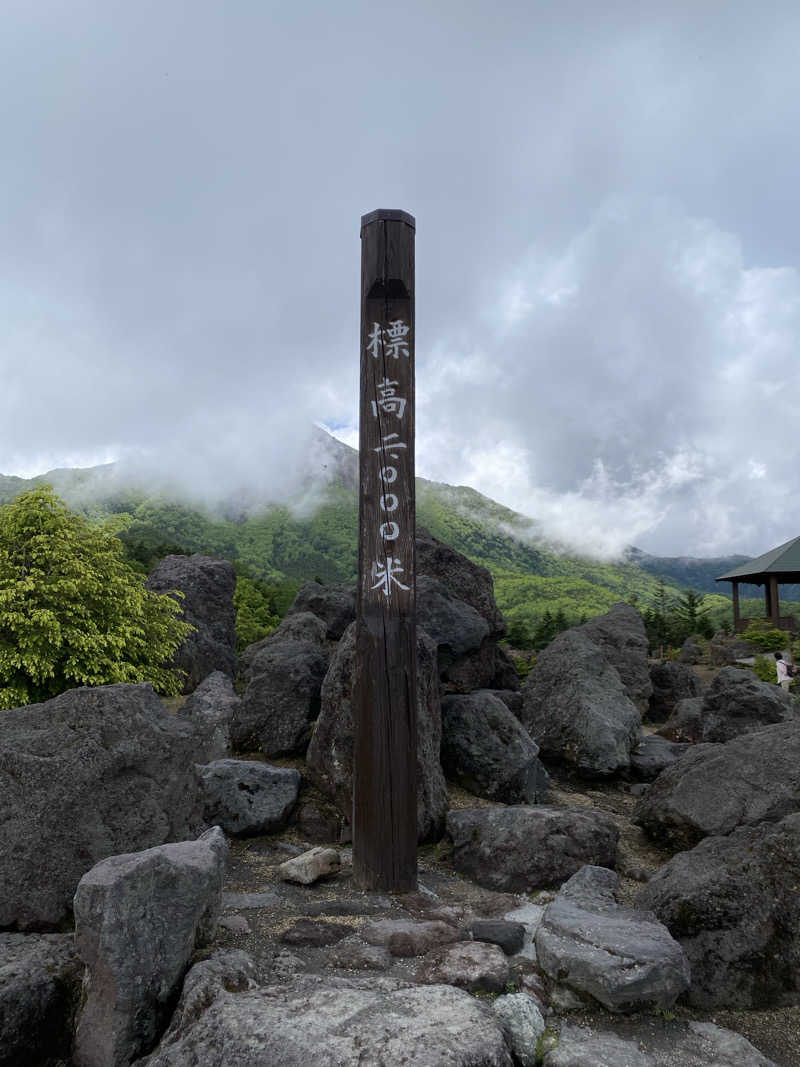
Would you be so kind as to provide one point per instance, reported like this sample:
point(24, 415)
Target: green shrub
point(72, 611)
point(758, 634)
point(764, 667)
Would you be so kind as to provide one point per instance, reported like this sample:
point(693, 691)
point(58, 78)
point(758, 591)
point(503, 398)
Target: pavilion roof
point(783, 560)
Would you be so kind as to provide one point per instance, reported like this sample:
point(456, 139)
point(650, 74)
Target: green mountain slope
point(295, 541)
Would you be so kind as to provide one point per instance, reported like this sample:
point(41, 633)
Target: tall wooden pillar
point(774, 601)
point(384, 699)
point(736, 614)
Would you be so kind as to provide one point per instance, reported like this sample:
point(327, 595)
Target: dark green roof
point(785, 559)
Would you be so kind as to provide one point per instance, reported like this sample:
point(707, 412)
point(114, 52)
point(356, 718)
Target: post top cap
point(388, 215)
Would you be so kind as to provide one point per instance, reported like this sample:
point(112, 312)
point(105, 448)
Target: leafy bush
point(764, 667)
point(72, 612)
point(763, 638)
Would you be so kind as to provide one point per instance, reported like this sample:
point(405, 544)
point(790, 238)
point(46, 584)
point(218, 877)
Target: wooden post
point(384, 698)
point(735, 607)
point(775, 602)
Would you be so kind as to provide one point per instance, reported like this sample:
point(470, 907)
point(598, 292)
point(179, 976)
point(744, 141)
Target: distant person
point(785, 671)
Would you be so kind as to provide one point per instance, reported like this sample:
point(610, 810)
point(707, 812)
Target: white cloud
point(658, 398)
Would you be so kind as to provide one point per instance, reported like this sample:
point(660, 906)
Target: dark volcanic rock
point(40, 984)
point(713, 789)
point(653, 754)
point(454, 625)
point(330, 753)
point(621, 637)
point(465, 580)
point(621, 957)
point(509, 936)
point(489, 667)
point(738, 702)
point(208, 586)
point(518, 849)
point(686, 721)
point(672, 682)
point(246, 797)
point(576, 708)
point(334, 604)
point(138, 919)
point(690, 652)
point(728, 648)
point(301, 627)
point(488, 752)
point(211, 708)
point(88, 774)
point(282, 698)
point(733, 904)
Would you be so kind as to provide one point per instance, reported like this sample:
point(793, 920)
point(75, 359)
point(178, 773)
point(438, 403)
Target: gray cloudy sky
point(608, 255)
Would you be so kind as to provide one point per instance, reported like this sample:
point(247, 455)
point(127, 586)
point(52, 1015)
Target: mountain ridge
point(314, 535)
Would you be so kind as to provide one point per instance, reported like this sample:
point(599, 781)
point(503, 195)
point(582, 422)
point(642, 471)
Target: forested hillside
point(314, 536)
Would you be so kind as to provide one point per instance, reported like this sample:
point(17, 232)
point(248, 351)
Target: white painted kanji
point(375, 340)
point(389, 401)
point(396, 333)
point(391, 339)
point(384, 575)
point(390, 444)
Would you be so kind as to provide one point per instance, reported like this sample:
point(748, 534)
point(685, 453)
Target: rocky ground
point(196, 953)
point(309, 929)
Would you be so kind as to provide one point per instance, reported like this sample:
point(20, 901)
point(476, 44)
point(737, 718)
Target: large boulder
point(40, 984)
point(300, 627)
point(685, 723)
point(330, 753)
point(208, 586)
point(672, 682)
point(334, 604)
point(211, 707)
point(138, 919)
point(457, 628)
point(691, 650)
point(246, 797)
point(576, 708)
point(88, 774)
point(712, 789)
point(466, 580)
point(282, 698)
point(621, 636)
point(733, 904)
point(519, 849)
point(653, 754)
point(487, 751)
point(726, 649)
point(738, 702)
point(224, 1018)
point(621, 957)
point(675, 1044)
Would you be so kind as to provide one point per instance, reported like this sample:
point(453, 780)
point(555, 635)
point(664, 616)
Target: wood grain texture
point(384, 779)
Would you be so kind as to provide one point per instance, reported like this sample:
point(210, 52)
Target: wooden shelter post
point(735, 607)
point(774, 610)
point(384, 698)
